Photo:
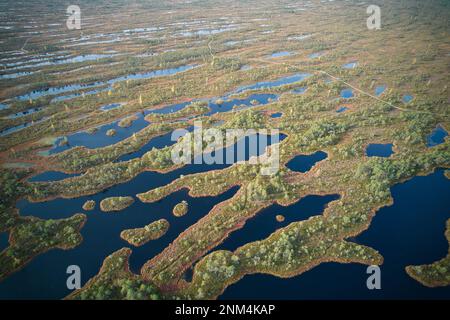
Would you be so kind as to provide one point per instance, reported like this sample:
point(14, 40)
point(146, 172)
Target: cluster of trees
point(323, 133)
point(246, 119)
point(116, 203)
point(33, 236)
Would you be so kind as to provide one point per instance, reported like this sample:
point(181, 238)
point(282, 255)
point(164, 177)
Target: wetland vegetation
point(87, 117)
point(180, 209)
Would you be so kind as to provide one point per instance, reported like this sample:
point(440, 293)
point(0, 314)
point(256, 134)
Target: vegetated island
point(140, 236)
point(180, 209)
point(115, 281)
point(116, 203)
point(89, 205)
point(111, 132)
point(436, 274)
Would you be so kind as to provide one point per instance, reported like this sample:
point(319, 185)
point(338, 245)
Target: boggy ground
point(409, 55)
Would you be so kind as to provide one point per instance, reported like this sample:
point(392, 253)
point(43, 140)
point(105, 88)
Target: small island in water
point(216, 151)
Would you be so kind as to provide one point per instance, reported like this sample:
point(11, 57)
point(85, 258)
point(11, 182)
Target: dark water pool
point(379, 90)
point(347, 93)
point(350, 65)
point(304, 163)
point(253, 99)
point(170, 108)
point(300, 90)
point(79, 94)
point(409, 232)
point(379, 150)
